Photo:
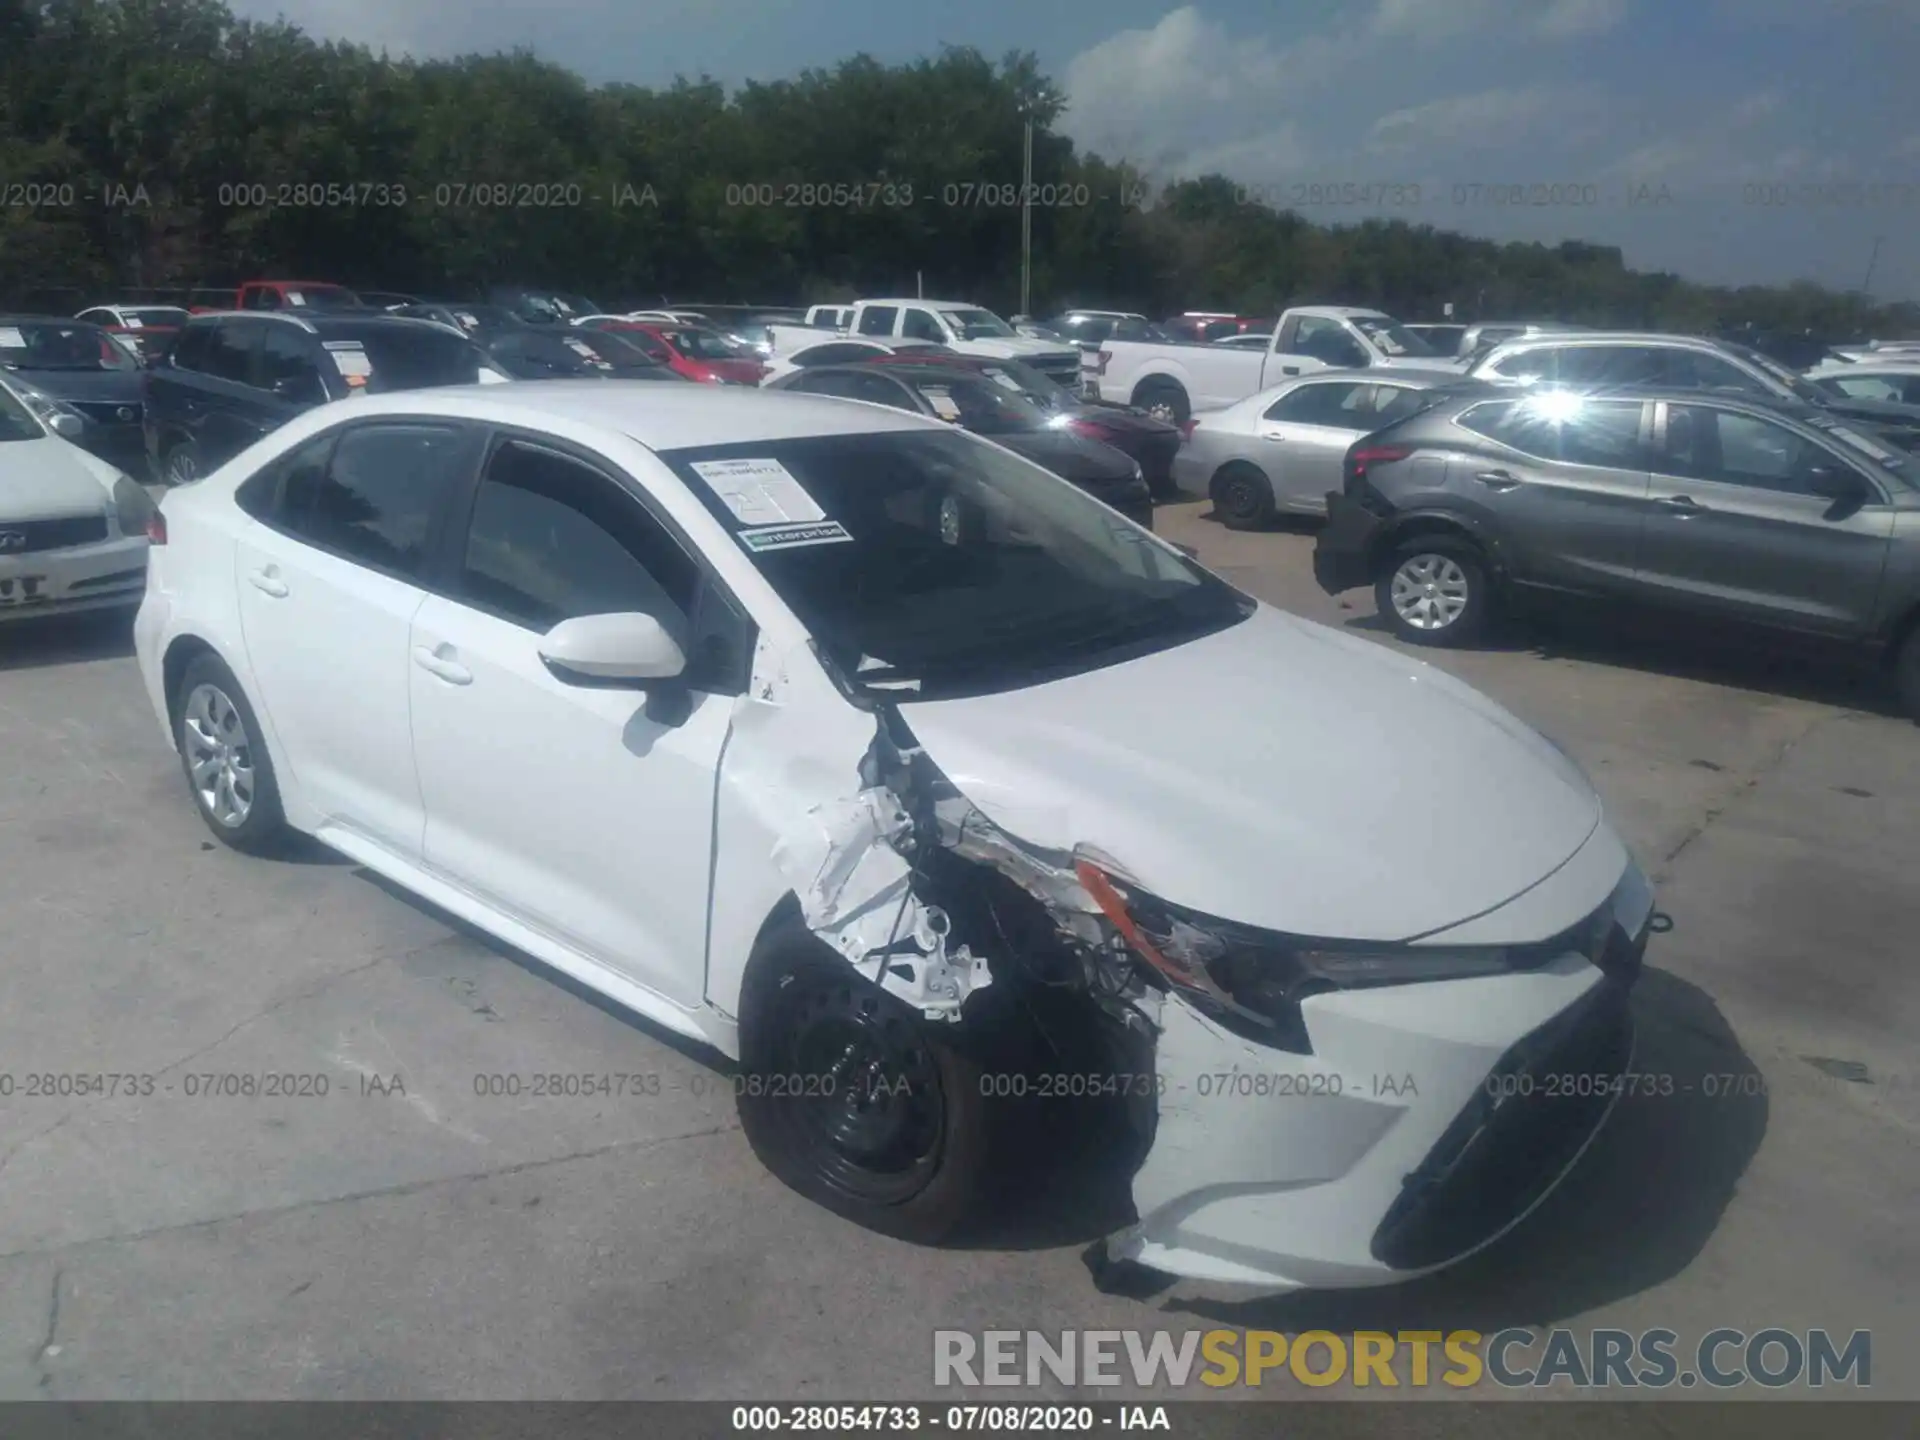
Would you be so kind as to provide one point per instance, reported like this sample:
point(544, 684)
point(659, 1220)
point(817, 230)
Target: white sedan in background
point(1887, 375)
point(1282, 450)
point(73, 529)
point(692, 698)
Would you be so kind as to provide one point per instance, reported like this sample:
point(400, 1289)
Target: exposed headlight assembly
point(1254, 980)
point(132, 506)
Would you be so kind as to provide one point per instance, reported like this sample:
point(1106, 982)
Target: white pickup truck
point(967, 329)
point(1171, 380)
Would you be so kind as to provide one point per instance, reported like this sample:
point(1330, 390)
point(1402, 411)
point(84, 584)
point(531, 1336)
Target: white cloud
point(1572, 19)
point(1445, 19)
point(1431, 19)
point(1459, 120)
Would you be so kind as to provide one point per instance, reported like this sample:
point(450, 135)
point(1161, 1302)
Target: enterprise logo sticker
point(789, 537)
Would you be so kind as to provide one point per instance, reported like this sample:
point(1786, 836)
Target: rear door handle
point(451, 671)
point(1497, 479)
point(268, 583)
point(1681, 506)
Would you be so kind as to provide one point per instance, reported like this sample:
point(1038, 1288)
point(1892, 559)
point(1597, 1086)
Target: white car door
point(329, 575)
point(584, 810)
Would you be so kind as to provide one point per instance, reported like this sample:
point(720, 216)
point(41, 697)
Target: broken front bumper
point(1342, 552)
point(1428, 1120)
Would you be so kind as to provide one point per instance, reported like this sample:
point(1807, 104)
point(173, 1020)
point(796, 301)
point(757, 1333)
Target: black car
point(386, 299)
point(230, 379)
point(1148, 442)
point(532, 352)
point(973, 401)
point(73, 367)
point(474, 318)
point(542, 307)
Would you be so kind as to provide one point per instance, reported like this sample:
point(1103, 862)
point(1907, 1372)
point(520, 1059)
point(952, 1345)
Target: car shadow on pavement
point(1710, 654)
point(1635, 1212)
point(66, 639)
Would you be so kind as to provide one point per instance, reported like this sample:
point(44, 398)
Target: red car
point(695, 351)
point(295, 295)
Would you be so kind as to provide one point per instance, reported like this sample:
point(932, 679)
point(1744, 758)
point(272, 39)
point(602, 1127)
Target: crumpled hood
point(49, 478)
point(1280, 774)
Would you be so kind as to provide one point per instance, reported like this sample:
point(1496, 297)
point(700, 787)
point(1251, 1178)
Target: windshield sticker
point(12, 340)
point(1001, 377)
point(294, 297)
point(942, 402)
point(351, 362)
point(134, 322)
point(759, 492)
point(467, 318)
point(791, 537)
point(586, 352)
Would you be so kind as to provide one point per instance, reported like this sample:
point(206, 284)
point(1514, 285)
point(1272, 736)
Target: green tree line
point(137, 138)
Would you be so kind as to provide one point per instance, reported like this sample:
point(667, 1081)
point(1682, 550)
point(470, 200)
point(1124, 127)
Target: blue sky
point(1777, 138)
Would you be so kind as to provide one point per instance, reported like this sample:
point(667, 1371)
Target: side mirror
point(1837, 483)
point(631, 647)
point(67, 427)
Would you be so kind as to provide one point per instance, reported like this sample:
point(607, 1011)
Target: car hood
point(1070, 456)
point(1422, 362)
point(48, 478)
point(1120, 421)
point(747, 372)
point(1019, 347)
point(1277, 773)
point(113, 387)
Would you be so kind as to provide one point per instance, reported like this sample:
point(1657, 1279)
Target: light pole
point(1027, 106)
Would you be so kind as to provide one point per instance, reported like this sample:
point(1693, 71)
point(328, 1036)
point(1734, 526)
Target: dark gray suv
point(1776, 515)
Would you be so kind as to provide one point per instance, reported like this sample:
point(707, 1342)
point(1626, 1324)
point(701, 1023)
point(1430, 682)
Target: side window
point(287, 366)
point(1395, 402)
point(381, 492)
point(919, 325)
point(262, 298)
point(881, 391)
point(190, 351)
point(1745, 450)
point(98, 317)
point(282, 492)
point(834, 382)
point(1330, 404)
point(1324, 340)
point(552, 539)
point(877, 320)
point(1694, 371)
point(1530, 366)
point(230, 352)
point(1864, 387)
point(1604, 433)
point(1610, 365)
point(832, 354)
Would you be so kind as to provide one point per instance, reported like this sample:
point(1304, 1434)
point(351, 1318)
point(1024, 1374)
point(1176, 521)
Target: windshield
point(700, 344)
point(858, 535)
point(162, 315)
point(61, 345)
point(379, 358)
point(979, 405)
point(1390, 337)
point(321, 297)
point(618, 354)
point(1802, 389)
point(1019, 378)
point(977, 324)
point(16, 421)
point(543, 355)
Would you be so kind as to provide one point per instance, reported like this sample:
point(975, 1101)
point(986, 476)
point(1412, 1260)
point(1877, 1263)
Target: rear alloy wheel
point(1435, 592)
point(852, 1099)
point(1243, 498)
point(181, 465)
point(226, 763)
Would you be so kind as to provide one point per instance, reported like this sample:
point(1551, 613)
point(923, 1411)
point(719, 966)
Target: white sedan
point(73, 529)
point(692, 698)
point(1885, 375)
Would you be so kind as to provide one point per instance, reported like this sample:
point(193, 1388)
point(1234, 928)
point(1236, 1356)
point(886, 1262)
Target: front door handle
point(1682, 506)
point(268, 583)
point(434, 663)
point(1497, 479)
point(1289, 369)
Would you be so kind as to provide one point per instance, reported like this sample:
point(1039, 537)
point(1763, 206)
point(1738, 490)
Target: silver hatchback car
point(1780, 516)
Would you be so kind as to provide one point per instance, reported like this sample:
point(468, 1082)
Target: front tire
point(224, 756)
point(180, 465)
point(1164, 400)
point(1243, 497)
point(852, 1099)
point(1435, 591)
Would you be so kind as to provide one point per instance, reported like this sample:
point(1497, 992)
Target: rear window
point(378, 358)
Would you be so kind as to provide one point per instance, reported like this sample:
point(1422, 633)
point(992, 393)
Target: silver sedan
point(1282, 450)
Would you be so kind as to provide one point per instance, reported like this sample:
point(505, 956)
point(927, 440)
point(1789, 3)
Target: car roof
point(321, 321)
point(1431, 377)
point(688, 417)
point(1725, 399)
point(925, 304)
point(23, 318)
point(1615, 337)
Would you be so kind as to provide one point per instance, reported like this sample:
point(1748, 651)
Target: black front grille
point(1516, 1136)
point(24, 537)
point(109, 412)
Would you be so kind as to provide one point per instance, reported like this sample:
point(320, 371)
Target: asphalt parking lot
point(422, 1239)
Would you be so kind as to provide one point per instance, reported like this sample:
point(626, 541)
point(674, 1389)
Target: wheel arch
point(181, 652)
point(1900, 632)
point(1420, 523)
